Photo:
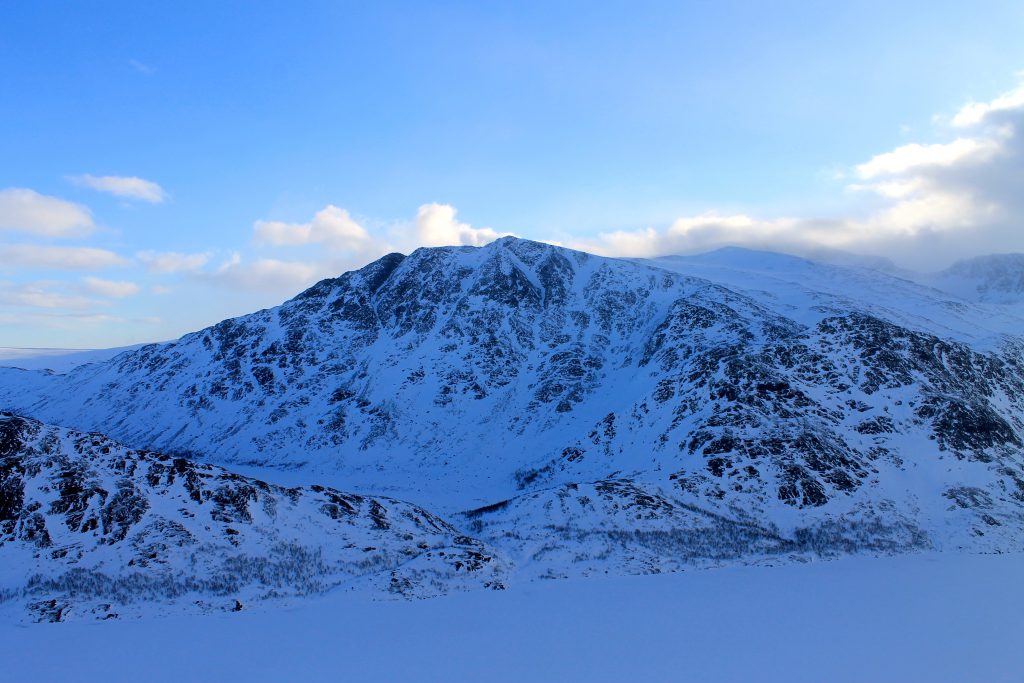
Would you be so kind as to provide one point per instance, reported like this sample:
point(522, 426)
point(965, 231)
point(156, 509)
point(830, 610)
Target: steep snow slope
point(809, 291)
point(92, 529)
point(794, 404)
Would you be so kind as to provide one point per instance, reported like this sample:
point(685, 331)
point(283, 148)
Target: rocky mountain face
point(580, 414)
point(92, 529)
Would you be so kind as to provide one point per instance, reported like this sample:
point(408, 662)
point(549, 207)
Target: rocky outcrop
point(91, 528)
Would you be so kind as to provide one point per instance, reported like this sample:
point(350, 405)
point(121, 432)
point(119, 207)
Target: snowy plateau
point(474, 422)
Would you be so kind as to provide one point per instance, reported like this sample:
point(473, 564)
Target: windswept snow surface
point(923, 617)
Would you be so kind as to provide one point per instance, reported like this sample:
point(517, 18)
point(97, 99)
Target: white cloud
point(268, 275)
point(58, 258)
point(914, 156)
point(172, 261)
point(923, 205)
point(331, 225)
point(71, 322)
point(710, 230)
point(436, 227)
point(110, 288)
point(41, 295)
point(892, 189)
point(974, 113)
point(129, 187)
point(967, 194)
point(28, 211)
point(348, 245)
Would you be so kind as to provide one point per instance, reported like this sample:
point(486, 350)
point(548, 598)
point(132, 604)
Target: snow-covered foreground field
point(911, 618)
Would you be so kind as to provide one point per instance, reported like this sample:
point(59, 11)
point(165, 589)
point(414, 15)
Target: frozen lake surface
point(928, 617)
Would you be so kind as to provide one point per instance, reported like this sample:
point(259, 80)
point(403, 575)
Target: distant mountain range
point(997, 279)
point(566, 414)
point(58, 360)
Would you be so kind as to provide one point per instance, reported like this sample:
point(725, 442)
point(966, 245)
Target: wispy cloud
point(172, 261)
point(42, 295)
point(141, 67)
point(128, 187)
point(268, 275)
point(75, 322)
point(117, 289)
point(27, 211)
point(58, 258)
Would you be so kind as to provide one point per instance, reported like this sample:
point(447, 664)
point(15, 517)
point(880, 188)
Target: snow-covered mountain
point(91, 528)
point(582, 414)
point(997, 279)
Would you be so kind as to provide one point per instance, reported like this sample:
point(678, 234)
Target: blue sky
point(168, 165)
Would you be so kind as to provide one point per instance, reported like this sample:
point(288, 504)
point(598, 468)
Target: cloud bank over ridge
point(922, 204)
